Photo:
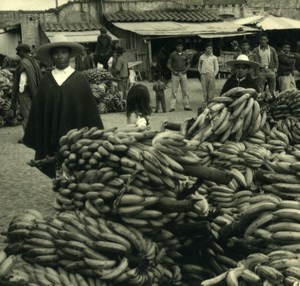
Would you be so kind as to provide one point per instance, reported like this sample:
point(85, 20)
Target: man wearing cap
point(241, 77)
point(178, 64)
point(63, 101)
point(103, 48)
point(26, 80)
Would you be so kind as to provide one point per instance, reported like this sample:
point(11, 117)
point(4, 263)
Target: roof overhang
point(79, 36)
point(176, 29)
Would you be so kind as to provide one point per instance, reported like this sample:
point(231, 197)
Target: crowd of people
point(61, 99)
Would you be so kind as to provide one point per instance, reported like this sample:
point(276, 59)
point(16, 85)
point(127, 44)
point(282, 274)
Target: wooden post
point(150, 58)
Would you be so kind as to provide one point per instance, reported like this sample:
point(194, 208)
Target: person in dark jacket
point(83, 61)
point(25, 83)
point(241, 77)
point(286, 67)
point(103, 48)
point(63, 101)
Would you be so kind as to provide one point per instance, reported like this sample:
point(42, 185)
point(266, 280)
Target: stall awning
point(205, 30)
point(75, 32)
point(79, 37)
point(270, 22)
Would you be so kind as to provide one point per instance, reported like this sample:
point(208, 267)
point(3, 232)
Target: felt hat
point(23, 47)
point(59, 41)
point(243, 60)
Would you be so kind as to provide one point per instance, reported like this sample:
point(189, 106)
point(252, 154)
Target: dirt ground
point(23, 187)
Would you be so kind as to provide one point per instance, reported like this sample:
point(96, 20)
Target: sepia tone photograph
point(149, 142)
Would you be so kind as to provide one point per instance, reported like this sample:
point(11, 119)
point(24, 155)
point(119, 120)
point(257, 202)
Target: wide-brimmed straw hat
point(243, 60)
point(59, 41)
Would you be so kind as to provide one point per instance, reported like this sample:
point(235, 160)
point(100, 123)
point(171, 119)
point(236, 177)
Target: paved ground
point(23, 187)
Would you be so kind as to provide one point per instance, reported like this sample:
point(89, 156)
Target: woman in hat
point(63, 101)
point(241, 77)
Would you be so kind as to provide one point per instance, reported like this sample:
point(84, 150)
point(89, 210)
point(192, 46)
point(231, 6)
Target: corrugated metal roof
point(270, 22)
point(154, 16)
point(278, 23)
point(205, 30)
point(83, 32)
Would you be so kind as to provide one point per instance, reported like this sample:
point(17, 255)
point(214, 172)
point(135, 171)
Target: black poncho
point(58, 109)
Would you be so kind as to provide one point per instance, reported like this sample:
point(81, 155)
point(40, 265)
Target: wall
point(8, 43)
point(285, 8)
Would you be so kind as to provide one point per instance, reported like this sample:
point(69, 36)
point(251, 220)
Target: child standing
point(138, 106)
point(159, 88)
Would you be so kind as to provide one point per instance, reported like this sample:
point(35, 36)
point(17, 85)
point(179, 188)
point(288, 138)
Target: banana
point(258, 208)
point(238, 109)
point(115, 272)
point(260, 221)
point(130, 199)
point(217, 123)
point(288, 204)
point(251, 277)
point(3, 256)
point(239, 177)
point(265, 197)
point(281, 264)
point(283, 226)
point(255, 259)
point(130, 210)
point(293, 271)
point(99, 263)
point(233, 275)
point(269, 273)
point(287, 213)
point(7, 265)
point(286, 236)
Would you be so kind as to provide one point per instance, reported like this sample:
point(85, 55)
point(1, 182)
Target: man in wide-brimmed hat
point(63, 101)
point(241, 77)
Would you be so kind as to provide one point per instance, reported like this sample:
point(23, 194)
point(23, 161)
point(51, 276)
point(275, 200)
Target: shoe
point(188, 109)
point(164, 111)
point(171, 110)
point(156, 111)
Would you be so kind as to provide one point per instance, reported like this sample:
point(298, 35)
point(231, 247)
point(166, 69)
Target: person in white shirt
point(26, 80)
point(208, 68)
point(64, 101)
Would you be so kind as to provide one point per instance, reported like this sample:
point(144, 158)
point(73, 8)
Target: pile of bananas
point(276, 268)
point(234, 115)
point(283, 178)
point(105, 90)
point(287, 104)
point(92, 247)
point(97, 76)
point(7, 116)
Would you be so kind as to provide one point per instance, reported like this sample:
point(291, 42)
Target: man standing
point(26, 80)
point(286, 66)
point(178, 64)
point(63, 101)
point(208, 68)
point(83, 61)
point(103, 48)
point(121, 72)
point(268, 60)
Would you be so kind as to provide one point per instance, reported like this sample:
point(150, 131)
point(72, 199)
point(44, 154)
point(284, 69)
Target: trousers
point(179, 79)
